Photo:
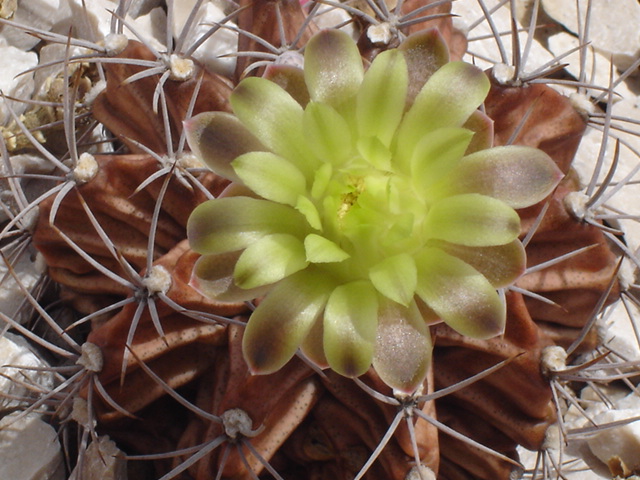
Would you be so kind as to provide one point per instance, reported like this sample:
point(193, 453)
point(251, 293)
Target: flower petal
point(436, 154)
point(425, 52)
point(462, 296)
point(327, 132)
point(472, 220)
point(312, 346)
point(268, 260)
point(350, 322)
point(283, 319)
point(482, 127)
point(381, 99)
point(395, 278)
point(270, 176)
point(402, 355)
point(502, 265)
point(217, 138)
point(275, 118)
point(233, 223)
point(213, 277)
point(519, 176)
point(290, 79)
point(333, 67)
point(450, 96)
point(322, 250)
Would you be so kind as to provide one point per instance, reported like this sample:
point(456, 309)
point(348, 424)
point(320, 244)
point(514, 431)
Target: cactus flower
point(365, 213)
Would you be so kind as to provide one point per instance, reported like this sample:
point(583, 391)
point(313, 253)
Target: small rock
point(19, 362)
point(12, 83)
point(618, 447)
point(613, 29)
point(29, 449)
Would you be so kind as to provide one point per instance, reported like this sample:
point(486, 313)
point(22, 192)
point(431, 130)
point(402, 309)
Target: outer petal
point(213, 277)
point(425, 52)
point(268, 260)
point(217, 138)
point(472, 220)
point(447, 99)
point(403, 347)
point(280, 323)
point(502, 265)
point(350, 322)
point(270, 176)
point(462, 296)
point(519, 176)
point(333, 67)
point(233, 223)
point(275, 118)
point(381, 99)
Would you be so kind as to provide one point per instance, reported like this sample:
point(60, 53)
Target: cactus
point(326, 302)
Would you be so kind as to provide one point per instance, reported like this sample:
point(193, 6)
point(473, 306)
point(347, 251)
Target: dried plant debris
point(319, 239)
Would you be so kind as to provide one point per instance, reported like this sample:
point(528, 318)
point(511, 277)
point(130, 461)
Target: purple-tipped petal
point(217, 138)
point(290, 79)
point(333, 67)
point(283, 320)
point(519, 176)
point(425, 52)
point(213, 277)
point(403, 346)
point(502, 265)
point(350, 321)
point(459, 294)
point(233, 223)
point(482, 127)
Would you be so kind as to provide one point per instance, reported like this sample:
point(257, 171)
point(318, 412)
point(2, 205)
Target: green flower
point(365, 213)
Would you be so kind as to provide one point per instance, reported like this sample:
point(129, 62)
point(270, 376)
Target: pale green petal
point(459, 294)
point(381, 100)
point(350, 322)
point(472, 220)
point(233, 223)
point(275, 118)
point(450, 96)
point(322, 250)
point(269, 260)
point(307, 208)
point(213, 277)
point(402, 355)
point(395, 278)
point(217, 138)
point(283, 320)
point(333, 67)
point(436, 154)
point(502, 265)
point(519, 176)
point(270, 176)
point(327, 132)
